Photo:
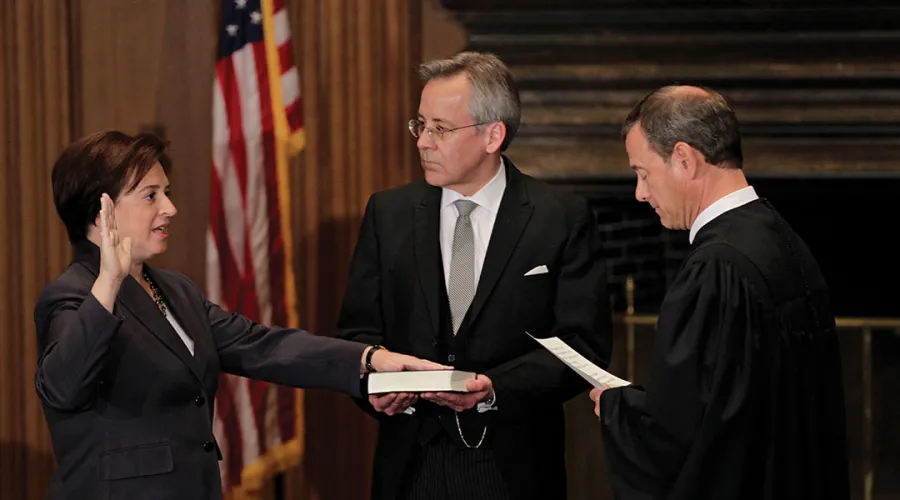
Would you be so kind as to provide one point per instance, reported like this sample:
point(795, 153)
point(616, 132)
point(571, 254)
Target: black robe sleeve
point(689, 430)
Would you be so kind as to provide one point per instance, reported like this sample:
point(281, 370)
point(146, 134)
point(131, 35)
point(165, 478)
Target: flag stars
point(256, 17)
point(232, 29)
point(240, 4)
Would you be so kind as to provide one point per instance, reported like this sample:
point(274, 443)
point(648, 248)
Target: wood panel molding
point(36, 119)
point(815, 87)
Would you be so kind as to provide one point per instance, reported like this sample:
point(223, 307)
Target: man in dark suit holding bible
point(456, 269)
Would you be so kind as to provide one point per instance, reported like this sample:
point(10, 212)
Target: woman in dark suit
point(130, 355)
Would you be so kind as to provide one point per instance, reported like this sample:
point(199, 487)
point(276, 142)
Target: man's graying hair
point(495, 97)
point(696, 116)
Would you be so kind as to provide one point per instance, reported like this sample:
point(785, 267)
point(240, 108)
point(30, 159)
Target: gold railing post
point(629, 300)
point(868, 473)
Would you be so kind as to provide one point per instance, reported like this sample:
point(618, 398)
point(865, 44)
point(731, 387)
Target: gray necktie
point(461, 288)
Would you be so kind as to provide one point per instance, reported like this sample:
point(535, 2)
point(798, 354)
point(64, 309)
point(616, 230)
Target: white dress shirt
point(483, 216)
point(728, 202)
point(188, 341)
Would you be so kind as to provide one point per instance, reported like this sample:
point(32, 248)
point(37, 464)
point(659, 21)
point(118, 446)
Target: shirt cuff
point(490, 404)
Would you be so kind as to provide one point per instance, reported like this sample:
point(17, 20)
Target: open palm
point(115, 252)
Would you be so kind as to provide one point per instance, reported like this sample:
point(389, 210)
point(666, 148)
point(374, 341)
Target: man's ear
point(688, 159)
point(496, 133)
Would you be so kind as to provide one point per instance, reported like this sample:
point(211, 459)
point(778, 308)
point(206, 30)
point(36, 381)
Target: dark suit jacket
point(129, 409)
point(396, 296)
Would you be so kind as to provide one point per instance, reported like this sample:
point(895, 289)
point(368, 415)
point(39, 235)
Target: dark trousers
point(441, 470)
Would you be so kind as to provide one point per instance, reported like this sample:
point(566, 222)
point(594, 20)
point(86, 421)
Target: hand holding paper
point(595, 397)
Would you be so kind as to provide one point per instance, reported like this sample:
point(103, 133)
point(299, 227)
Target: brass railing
point(865, 325)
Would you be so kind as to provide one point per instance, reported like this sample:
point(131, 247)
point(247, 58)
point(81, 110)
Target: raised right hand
point(115, 256)
point(115, 252)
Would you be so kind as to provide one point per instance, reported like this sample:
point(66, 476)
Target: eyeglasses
point(416, 127)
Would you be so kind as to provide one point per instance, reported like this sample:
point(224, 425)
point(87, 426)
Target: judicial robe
point(745, 397)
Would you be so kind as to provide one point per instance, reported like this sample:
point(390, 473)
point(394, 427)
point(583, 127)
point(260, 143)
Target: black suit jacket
point(396, 296)
point(129, 409)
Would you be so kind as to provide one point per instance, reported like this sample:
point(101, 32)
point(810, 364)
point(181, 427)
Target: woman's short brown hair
point(110, 162)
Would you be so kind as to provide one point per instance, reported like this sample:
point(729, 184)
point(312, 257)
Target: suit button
point(208, 446)
point(451, 358)
point(199, 401)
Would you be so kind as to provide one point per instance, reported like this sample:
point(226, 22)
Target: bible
point(419, 381)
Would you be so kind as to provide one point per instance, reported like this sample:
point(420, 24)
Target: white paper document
point(419, 381)
point(598, 377)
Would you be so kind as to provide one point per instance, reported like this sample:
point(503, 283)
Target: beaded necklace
point(157, 295)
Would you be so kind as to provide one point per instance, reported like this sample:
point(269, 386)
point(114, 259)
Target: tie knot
point(465, 207)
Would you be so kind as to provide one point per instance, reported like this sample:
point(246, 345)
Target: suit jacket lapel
point(512, 218)
point(142, 307)
point(190, 321)
point(427, 252)
point(133, 298)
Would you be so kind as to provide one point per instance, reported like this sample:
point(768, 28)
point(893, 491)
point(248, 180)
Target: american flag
point(257, 126)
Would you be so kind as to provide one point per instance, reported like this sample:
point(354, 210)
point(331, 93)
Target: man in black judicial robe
point(745, 398)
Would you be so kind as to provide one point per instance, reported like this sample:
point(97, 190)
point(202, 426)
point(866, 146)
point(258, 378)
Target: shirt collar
point(722, 205)
point(489, 196)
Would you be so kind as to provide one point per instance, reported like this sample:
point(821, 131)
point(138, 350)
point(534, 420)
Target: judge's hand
point(115, 256)
point(393, 403)
point(479, 389)
point(595, 397)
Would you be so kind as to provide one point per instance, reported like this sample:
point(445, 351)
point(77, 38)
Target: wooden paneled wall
point(360, 90)
point(147, 65)
point(35, 122)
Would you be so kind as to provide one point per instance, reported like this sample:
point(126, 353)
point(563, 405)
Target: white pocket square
point(538, 270)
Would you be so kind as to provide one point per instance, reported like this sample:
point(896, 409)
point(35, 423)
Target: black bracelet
point(369, 367)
